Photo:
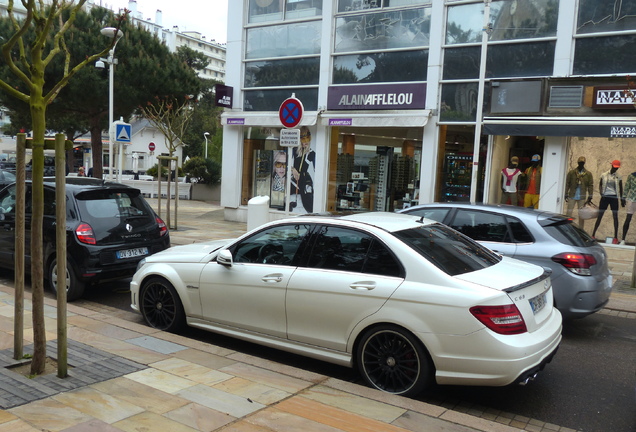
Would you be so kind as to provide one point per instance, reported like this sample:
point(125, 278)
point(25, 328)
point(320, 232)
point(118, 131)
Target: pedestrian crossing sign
point(123, 132)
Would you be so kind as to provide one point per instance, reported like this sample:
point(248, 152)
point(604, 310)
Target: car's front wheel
point(393, 360)
point(74, 286)
point(161, 306)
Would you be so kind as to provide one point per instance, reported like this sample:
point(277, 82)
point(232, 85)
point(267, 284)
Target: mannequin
point(579, 186)
point(533, 182)
point(630, 197)
point(611, 189)
point(509, 178)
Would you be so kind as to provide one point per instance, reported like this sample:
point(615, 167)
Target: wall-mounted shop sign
point(223, 95)
point(622, 132)
point(235, 121)
point(377, 97)
point(340, 122)
point(612, 98)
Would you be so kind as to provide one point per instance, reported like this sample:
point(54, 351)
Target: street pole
point(116, 34)
point(205, 135)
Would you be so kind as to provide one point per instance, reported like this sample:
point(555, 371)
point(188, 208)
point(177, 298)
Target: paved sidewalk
point(125, 376)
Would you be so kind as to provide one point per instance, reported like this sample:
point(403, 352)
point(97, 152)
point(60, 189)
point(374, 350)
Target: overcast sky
point(208, 17)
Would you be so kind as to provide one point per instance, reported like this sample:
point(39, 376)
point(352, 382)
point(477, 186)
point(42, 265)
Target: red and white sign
point(151, 146)
point(291, 112)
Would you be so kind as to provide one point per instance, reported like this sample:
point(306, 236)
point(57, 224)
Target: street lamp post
point(116, 34)
point(205, 135)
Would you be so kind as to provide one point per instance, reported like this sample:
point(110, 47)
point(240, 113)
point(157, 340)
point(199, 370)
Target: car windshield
point(447, 249)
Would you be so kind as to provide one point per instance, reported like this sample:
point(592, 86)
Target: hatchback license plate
point(132, 253)
point(537, 303)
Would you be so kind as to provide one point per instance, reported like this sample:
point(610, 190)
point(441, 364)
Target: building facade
point(410, 101)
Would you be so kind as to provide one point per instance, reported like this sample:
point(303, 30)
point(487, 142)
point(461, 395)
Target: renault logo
point(129, 227)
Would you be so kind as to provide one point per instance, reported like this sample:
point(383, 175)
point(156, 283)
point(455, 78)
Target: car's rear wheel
point(161, 306)
point(393, 360)
point(74, 286)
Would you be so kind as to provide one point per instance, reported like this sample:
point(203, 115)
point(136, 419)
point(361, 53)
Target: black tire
point(74, 286)
point(394, 361)
point(161, 306)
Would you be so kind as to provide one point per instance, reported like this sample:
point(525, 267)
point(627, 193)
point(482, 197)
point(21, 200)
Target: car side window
point(277, 245)
point(436, 214)
point(481, 226)
point(344, 249)
point(520, 233)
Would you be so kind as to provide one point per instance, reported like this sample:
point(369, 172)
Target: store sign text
point(236, 121)
point(623, 132)
point(612, 98)
point(377, 97)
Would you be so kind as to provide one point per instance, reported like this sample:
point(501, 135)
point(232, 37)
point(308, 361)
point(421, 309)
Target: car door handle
point(362, 286)
point(273, 278)
point(497, 252)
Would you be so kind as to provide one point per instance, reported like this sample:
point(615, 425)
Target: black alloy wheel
point(161, 306)
point(74, 286)
point(392, 360)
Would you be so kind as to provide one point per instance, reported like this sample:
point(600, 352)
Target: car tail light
point(504, 319)
point(576, 262)
point(163, 229)
point(85, 234)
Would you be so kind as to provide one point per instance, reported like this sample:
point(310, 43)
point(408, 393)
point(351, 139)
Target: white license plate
point(537, 303)
point(132, 253)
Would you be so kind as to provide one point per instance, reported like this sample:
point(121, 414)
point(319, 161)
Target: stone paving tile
point(87, 365)
point(158, 345)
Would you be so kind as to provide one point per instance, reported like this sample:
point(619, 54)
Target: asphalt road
point(589, 386)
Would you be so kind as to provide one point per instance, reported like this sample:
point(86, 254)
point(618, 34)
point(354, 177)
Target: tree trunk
point(38, 115)
point(96, 147)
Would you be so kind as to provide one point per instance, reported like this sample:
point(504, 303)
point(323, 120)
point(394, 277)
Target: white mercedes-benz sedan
point(405, 300)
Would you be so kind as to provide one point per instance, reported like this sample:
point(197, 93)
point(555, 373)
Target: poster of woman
point(302, 180)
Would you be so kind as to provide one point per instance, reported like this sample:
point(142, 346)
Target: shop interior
point(374, 169)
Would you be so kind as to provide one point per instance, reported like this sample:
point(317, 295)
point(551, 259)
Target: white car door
point(250, 294)
point(349, 276)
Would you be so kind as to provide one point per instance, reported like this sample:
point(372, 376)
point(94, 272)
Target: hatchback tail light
point(163, 229)
point(577, 263)
point(504, 319)
point(85, 234)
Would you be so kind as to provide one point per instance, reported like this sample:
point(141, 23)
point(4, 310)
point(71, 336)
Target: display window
point(374, 169)
point(269, 169)
point(602, 171)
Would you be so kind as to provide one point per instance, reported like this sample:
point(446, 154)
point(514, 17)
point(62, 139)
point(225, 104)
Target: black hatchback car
point(109, 228)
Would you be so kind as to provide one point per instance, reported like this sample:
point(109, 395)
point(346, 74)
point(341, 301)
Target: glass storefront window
point(595, 16)
point(462, 63)
point(519, 19)
point(266, 167)
point(272, 10)
point(604, 55)
point(465, 23)
point(305, 71)
point(358, 5)
point(366, 175)
point(520, 59)
point(381, 67)
point(383, 30)
point(459, 102)
point(270, 100)
point(283, 40)
point(509, 19)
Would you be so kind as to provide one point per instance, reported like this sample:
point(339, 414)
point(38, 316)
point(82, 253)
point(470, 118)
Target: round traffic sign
point(291, 112)
point(151, 146)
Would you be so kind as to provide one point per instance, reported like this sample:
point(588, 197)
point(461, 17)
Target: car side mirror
point(225, 258)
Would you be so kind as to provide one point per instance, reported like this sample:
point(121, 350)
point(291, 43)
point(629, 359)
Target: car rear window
point(447, 249)
point(566, 232)
point(104, 205)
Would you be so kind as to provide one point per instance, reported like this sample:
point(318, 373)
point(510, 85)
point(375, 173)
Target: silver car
point(580, 277)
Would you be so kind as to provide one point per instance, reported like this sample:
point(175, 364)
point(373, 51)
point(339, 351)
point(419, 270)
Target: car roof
point(386, 221)
point(82, 184)
point(501, 208)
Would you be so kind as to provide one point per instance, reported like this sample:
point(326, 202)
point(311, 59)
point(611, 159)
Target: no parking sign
point(291, 112)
